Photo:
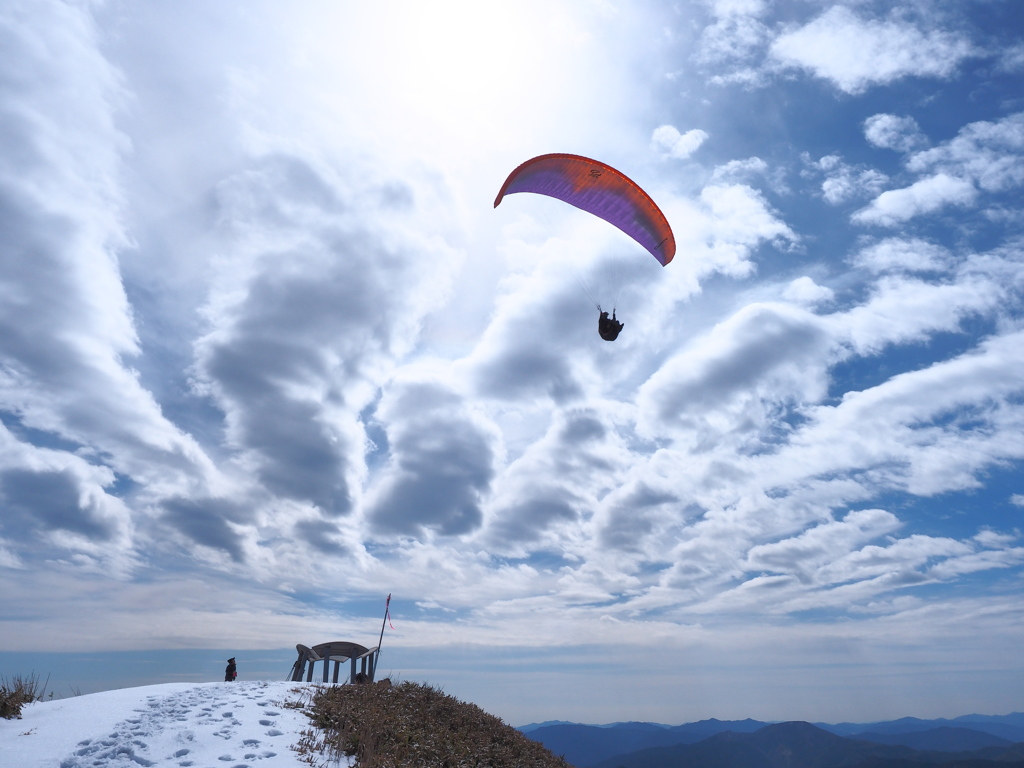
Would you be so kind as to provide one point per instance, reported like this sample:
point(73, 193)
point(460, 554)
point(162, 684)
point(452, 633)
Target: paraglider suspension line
point(582, 283)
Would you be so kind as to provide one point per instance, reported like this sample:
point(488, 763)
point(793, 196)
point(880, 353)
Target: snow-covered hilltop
point(174, 724)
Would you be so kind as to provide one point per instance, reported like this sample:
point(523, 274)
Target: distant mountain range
point(971, 741)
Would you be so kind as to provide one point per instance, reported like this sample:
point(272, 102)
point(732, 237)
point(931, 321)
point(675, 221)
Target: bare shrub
point(414, 726)
point(18, 691)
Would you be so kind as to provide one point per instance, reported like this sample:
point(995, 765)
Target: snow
point(175, 724)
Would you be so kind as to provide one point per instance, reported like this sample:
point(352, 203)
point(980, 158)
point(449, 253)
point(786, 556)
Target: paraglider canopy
point(597, 188)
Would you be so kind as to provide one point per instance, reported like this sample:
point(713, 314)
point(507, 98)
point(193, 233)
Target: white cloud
point(985, 155)
point(903, 439)
point(1012, 59)
point(58, 505)
point(855, 54)
point(296, 350)
point(892, 132)
point(735, 40)
point(723, 459)
point(723, 8)
point(747, 212)
point(909, 428)
point(667, 140)
point(543, 496)
point(925, 196)
point(739, 171)
point(848, 183)
point(904, 555)
point(821, 545)
point(69, 336)
point(734, 37)
point(897, 254)
point(977, 561)
point(804, 290)
point(765, 355)
point(844, 182)
point(429, 425)
point(902, 309)
point(991, 154)
point(995, 540)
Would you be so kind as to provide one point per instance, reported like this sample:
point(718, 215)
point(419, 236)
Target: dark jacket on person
point(231, 672)
point(609, 327)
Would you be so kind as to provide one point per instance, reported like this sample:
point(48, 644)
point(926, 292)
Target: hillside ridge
point(589, 746)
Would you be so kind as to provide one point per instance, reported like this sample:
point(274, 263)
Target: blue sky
point(268, 353)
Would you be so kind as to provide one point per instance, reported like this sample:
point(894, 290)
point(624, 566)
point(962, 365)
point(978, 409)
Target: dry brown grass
point(18, 691)
point(414, 726)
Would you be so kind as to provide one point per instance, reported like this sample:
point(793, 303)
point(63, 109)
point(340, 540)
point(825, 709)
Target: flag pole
point(382, 625)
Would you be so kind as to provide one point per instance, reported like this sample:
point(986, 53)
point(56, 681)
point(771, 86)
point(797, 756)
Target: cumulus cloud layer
point(984, 157)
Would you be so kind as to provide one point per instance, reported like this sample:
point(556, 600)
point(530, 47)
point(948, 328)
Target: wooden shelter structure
point(357, 656)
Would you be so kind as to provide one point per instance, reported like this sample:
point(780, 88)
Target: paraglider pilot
point(608, 327)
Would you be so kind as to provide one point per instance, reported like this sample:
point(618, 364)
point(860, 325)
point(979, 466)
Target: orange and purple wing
point(596, 188)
